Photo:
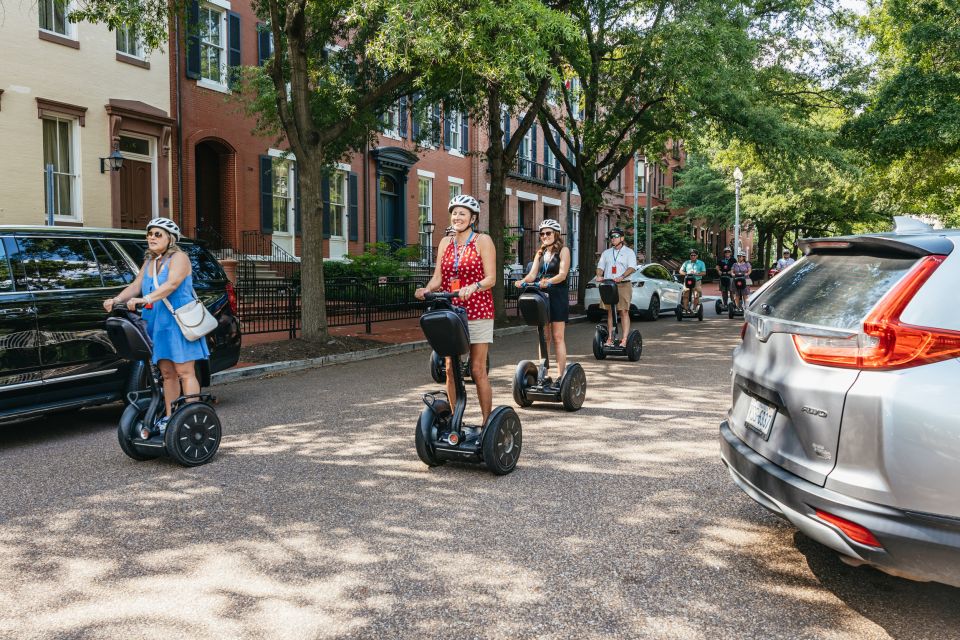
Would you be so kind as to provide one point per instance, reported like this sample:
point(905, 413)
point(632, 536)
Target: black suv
point(54, 351)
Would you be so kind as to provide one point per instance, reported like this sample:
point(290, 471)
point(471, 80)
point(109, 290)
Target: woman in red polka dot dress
point(467, 264)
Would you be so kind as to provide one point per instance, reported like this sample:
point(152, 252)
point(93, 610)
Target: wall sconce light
point(115, 161)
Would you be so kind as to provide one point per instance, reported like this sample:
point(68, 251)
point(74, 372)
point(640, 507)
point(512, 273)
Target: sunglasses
point(155, 234)
point(616, 235)
point(546, 233)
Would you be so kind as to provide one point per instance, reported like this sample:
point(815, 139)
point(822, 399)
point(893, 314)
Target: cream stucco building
point(70, 94)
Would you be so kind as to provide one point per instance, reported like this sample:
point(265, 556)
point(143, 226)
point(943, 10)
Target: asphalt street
point(317, 519)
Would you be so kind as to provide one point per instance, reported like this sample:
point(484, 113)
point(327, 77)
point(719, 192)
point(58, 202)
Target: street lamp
point(115, 160)
point(737, 180)
point(426, 246)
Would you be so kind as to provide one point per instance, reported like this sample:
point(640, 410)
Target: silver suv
point(844, 419)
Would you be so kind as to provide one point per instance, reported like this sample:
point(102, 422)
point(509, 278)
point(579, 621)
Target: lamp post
point(426, 247)
point(737, 180)
point(648, 237)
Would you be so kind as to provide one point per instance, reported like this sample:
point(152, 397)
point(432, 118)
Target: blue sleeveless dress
point(168, 341)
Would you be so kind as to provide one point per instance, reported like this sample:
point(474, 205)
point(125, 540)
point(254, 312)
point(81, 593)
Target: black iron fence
point(273, 305)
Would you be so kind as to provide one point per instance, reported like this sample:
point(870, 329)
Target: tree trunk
point(497, 164)
point(313, 311)
point(588, 245)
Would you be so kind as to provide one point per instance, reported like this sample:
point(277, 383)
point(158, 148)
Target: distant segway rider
point(693, 267)
point(617, 263)
point(742, 268)
point(785, 261)
point(467, 264)
point(724, 267)
point(551, 264)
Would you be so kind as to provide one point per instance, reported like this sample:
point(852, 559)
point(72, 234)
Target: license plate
point(760, 417)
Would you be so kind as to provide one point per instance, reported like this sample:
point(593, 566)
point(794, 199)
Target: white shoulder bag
point(193, 318)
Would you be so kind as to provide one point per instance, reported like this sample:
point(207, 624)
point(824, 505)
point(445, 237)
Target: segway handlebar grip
point(442, 295)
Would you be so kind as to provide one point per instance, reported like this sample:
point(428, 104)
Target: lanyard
point(616, 253)
point(457, 252)
point(543, 267)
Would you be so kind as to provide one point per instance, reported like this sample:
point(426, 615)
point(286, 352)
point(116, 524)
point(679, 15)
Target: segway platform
point(632, 347)
point(690, 283)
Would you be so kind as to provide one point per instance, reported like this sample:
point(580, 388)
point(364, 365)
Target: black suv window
point(114, 271)
point(205, 266)
point(59, 263)
point(6, 276)
point(831, 290)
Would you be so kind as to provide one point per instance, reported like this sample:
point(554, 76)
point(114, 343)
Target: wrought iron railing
point(215, 243)
point(547, 174)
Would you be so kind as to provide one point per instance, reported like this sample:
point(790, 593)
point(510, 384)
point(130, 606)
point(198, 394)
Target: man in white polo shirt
point(617, 263)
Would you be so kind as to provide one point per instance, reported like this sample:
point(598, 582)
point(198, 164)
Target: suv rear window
point(205, 266)
point(831, 290)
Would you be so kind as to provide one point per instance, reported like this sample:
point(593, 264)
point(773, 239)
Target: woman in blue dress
point(166, 274)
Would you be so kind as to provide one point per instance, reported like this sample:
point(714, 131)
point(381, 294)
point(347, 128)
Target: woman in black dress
point(551, 264)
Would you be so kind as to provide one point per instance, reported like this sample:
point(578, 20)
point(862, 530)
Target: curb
point(261, 370)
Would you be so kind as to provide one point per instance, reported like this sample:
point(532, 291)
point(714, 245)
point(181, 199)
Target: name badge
point(614, 270)
point(455, 284)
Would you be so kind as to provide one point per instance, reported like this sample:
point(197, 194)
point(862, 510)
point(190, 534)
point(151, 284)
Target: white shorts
point(481, 331)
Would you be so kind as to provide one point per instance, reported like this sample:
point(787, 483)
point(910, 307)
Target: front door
point(391, 228)
point(136, 194)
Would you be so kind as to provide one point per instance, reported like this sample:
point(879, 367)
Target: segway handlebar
point(122, 306)
point(442, 295)
point(535, 285)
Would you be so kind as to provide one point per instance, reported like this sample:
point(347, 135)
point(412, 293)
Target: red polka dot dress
point(469, 270)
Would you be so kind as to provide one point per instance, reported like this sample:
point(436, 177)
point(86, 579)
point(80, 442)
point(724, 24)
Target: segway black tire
point(700, 312)
point(731, 312)
point(634, 346)
point(599, 337)
point(502, 441)
point(524, 378)
point(425, 430)
point(130, 422)
point(193, 434)
point(438, 368)
point(573, 387)
point(718, 306)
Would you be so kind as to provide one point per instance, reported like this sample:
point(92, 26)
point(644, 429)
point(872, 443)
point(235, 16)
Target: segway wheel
point(718, 306)
point(502, 440)
point(193, 434)
point(423, 440)
point(634, 346)
point(731, 312)
point(438, 368)
point(524, 378)
point(130, 423)
point(573, 387)
point(700, 312)
point(598, 339)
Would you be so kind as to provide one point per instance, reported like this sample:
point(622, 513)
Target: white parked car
point(654, 292)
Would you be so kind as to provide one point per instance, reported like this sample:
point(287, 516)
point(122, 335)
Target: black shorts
point(559, 302)
point(726, 283)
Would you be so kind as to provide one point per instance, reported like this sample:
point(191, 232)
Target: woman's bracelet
point(148, 299)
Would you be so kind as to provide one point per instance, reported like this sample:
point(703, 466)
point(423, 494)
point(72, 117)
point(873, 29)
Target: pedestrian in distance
point(785, 261)
point(724, 266)
point(166, 277)
point(551, 265)
point(467, 263)
point(617, 263)
point(693, 267)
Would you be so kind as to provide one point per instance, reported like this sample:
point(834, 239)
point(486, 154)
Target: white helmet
point(741, 253)
point(167, 225)
point(549, 223)
point(464, 201)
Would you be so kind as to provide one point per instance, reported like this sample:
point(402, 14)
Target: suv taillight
point(232, 296)
point(886, 342)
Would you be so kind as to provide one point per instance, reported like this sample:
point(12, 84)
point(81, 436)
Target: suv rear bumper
point(917, 546)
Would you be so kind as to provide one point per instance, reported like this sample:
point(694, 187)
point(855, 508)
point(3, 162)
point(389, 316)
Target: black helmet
point(616, 231)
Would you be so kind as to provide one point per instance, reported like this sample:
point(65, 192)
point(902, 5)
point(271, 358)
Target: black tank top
point(551, 268)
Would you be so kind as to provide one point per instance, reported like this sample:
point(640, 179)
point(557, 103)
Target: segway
point(438, 369)
point(726, 298)
point(530, 381)
point(740, 283)
point(441, 435)
point(193, 432)
point(633, 346)
point(690, 283)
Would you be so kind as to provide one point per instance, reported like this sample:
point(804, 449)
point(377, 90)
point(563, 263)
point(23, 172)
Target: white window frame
point(424, 209)
point(290, 197)
point(391, 125)
point(216, 85)
point(455, 189)
point(456, 126)
point(340, 216)
point(152, 159)
point(76, 187)
point(139, 53)
point(70, 27)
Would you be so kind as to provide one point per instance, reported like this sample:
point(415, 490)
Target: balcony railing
point(545, 174)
